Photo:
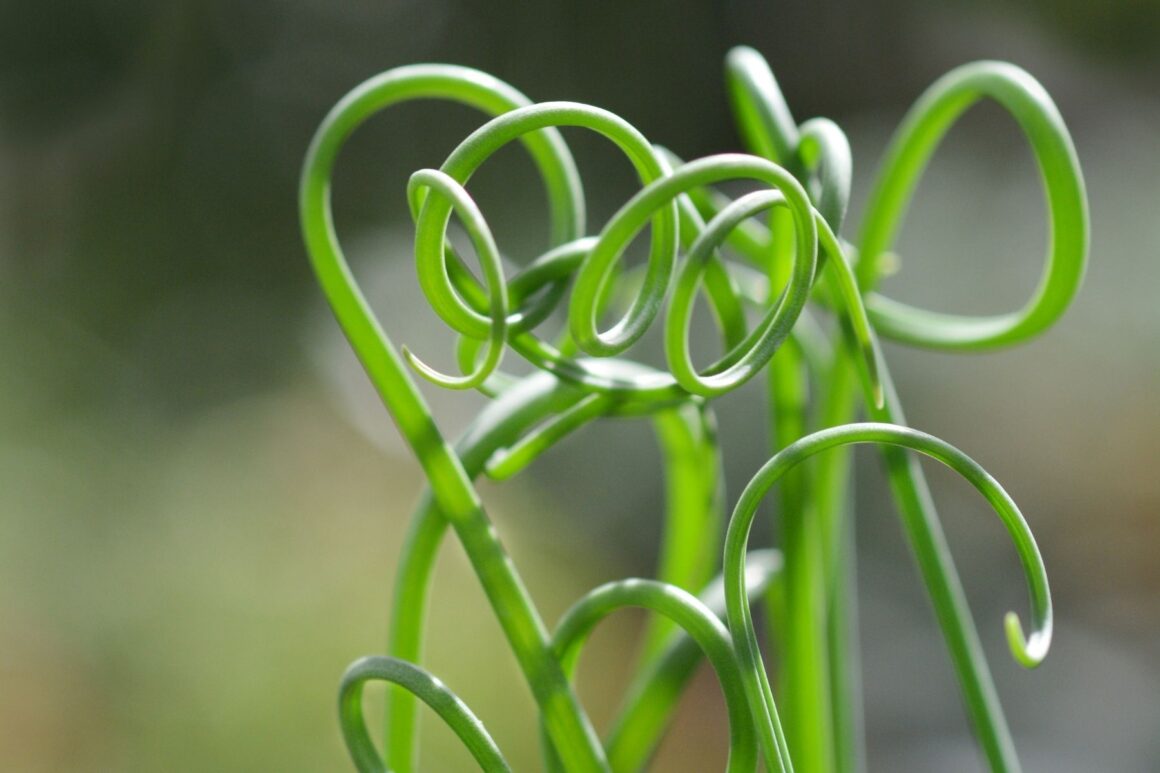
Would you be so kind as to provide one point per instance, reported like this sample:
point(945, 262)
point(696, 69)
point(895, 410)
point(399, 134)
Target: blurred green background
point(201, 501)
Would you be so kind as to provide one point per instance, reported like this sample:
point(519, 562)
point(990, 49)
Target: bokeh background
point(201, 501)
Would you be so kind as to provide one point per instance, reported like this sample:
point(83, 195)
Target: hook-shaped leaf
point(1029, 651)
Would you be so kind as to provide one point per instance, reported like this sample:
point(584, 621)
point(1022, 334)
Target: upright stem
point(451, 485)
point(833, 483)
point(805, 685)
point(690, 551)
point(929, 546)
point(501, 423)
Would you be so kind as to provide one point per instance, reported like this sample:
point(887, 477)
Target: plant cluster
point(793, 301)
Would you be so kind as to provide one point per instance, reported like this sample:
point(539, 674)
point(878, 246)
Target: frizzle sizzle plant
point(820, 374)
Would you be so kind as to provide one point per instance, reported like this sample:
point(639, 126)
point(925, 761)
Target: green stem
point(451, 485)
point(832, 481)
point(800, 622)
point(805, 679)
point(694, 508)
point(913, 145)
point(688, 442)
point(522, 407)
point(928, 544)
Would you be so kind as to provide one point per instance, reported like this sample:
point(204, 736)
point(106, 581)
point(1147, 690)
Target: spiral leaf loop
point(786, 226)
